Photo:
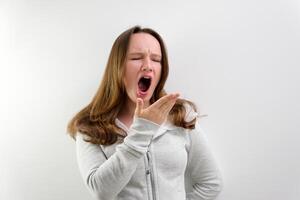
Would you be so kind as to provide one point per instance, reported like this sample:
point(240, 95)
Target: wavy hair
point(97, 119)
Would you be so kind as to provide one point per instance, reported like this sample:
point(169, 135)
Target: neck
point(129, 108)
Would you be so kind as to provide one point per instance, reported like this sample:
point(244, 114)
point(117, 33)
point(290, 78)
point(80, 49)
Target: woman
point(135, 141)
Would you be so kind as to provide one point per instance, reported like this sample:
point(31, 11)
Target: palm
point(159, 110)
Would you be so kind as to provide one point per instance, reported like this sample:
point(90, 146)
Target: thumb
point(139, 106)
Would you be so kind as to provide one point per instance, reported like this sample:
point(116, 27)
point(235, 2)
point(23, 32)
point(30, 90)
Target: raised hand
point(158, 111)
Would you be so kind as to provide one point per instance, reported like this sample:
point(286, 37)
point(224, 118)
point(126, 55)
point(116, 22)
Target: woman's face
point(142, 67)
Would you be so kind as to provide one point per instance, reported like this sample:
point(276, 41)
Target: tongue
point(142, 86)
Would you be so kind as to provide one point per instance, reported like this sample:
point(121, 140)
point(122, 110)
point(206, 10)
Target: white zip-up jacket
point(154, 162)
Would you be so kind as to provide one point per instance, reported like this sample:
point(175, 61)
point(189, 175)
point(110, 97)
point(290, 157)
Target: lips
point(144, 83)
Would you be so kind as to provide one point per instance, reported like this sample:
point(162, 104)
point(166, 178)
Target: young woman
point(135, 141)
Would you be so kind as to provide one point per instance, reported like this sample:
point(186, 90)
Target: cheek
point(130, 76)
point(128, 80)
point(158, 73)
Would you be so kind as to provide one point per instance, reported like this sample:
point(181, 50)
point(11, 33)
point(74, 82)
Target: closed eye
point(156, 60)
point(138, 58)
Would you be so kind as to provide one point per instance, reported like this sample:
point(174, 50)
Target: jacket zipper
point(149, 172)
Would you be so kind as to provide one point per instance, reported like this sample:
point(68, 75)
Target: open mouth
point(144, 83)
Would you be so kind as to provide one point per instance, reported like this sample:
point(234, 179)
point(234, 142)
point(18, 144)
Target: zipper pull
point(148, 170)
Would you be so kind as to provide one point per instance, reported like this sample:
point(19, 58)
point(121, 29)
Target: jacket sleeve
point(105, 178)
point(203, 179)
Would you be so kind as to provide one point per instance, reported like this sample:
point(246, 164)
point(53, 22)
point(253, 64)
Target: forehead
point(143, 42)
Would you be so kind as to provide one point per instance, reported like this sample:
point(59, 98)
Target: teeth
point(146, 77)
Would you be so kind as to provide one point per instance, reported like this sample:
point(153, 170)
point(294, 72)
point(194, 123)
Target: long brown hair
point(97, 119)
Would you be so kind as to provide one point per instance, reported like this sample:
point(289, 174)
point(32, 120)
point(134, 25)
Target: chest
point(168, 152)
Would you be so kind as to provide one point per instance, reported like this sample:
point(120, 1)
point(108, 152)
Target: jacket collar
point(166, 126)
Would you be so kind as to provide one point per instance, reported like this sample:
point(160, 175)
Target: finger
point(165, 110)
point(168, 101)
point(167, 107)
point(160, 102)
point(139, 106)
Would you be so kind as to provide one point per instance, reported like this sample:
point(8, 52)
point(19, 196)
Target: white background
point(238, 60)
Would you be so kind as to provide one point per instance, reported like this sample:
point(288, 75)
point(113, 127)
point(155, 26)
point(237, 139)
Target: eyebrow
point(140, 53)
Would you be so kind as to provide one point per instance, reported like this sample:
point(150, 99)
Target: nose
point(147, 66)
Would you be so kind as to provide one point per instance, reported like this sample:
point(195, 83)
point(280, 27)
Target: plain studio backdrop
point(239, 61)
